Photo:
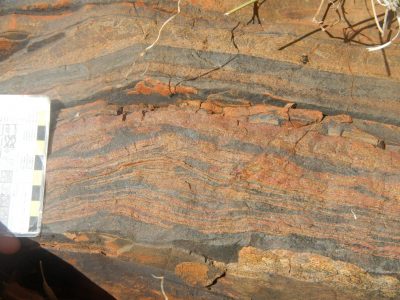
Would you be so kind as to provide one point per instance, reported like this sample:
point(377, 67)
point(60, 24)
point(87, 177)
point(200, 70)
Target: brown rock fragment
point(334, 125)
point(304, 117)
point(357, 134)
point(342, 125)
point(229, 108)
point(196, 104)
point(212, 107)
point(311, 267)
point(152, 86)
point(200, 274)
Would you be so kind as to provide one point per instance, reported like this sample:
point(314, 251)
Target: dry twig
point(162, 28)
point(47, 289)
point(162, 285)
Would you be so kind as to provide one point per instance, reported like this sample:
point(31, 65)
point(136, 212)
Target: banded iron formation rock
point(245, 200)
point(193, 162)
point(78, 50)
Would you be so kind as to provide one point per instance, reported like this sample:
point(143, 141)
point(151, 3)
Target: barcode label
point(24, 130)
point(8, 136)
point(5, 196)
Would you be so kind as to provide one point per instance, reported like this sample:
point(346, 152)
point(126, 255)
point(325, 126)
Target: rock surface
point(216, 195)
point(236, 160)
point(76, 50)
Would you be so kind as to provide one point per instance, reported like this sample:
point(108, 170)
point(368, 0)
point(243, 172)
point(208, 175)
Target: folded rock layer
point(233, 190)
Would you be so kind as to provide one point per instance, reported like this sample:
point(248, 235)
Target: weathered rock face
point(78, 50)
point(193, 162)
point(203, 190)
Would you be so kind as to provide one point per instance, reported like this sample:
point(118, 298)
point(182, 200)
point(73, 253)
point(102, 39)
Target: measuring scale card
point(24, 135)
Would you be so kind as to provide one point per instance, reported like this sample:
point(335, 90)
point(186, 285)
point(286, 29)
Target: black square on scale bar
point(38, 162)
point(41, 133)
